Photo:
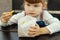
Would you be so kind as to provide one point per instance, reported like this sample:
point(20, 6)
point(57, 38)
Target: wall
point(5, 5)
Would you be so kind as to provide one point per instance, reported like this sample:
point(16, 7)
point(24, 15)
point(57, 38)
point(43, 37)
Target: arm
point(35, 31)
point(5, 17)
point(54, 23)
point(13, 19)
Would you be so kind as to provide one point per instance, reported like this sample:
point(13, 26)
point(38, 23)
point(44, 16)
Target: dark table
point(5, 35)
point(8, 33)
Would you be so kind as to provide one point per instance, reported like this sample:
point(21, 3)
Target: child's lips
point(31, 13)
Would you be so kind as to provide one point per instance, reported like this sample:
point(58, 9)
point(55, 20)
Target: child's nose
point(31, 9)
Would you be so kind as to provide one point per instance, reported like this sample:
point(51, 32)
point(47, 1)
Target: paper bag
point(24, 24)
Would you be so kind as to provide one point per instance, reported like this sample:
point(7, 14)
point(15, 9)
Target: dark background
point(52, 4)
point(17, 4)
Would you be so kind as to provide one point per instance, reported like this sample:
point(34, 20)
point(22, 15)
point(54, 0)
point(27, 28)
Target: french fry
point(11, 12)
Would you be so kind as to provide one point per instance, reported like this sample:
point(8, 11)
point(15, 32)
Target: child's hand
point(34, 31)
point(6, 16)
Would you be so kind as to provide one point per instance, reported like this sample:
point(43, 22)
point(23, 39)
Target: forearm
point(44, 30)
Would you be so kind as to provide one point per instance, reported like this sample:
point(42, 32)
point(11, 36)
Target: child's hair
point(35, 1)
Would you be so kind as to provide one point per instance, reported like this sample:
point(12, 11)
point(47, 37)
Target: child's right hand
point(6, 16)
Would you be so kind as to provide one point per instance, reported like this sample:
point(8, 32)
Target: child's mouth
point(31, 13)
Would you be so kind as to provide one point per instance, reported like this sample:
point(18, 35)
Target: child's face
point(33, 9)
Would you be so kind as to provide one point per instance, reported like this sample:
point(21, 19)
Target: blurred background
point(7, 5)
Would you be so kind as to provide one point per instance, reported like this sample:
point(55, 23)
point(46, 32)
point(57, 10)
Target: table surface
point(6, 35)
point(12, 34)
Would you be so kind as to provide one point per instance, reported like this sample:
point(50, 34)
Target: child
point(34, 8)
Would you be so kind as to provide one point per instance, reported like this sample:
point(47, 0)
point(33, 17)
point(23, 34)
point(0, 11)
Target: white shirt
point(52, 22)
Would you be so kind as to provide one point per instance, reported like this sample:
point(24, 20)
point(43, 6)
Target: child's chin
point(32, 15)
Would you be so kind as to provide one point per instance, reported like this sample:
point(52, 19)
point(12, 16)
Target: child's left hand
point(34, 31)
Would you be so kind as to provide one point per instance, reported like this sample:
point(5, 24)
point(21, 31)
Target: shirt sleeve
point(13, 19)
point(54, 23)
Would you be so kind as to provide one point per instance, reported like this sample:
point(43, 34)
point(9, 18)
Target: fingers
point(31, 33)
point(5, 13)
point(6, 16)
point(8, 13)
point(32, 29)
point(36, 24)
